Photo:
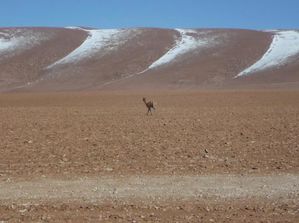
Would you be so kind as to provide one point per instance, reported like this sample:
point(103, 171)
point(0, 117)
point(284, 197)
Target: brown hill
point(73, 58)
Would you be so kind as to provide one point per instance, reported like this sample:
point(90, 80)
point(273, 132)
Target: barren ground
point(238, 136)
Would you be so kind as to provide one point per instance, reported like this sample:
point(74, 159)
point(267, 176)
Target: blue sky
point(251, 14)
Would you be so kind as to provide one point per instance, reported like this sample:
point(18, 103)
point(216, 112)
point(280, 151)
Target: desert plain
point(202, 156)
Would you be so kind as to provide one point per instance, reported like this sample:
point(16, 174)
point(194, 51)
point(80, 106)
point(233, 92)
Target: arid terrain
point(76, 59)
point(203, 156)
point(76, 144)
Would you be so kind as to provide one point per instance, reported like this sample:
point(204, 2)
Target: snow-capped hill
point(187, 41)
point(100, 41)
point(184, 44)
point(12, 41)
point(284, 46)
point(81, 58)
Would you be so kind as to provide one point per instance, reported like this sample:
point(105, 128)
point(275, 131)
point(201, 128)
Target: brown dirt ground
point(196, 211)
point(109, 133)
point(67, 135)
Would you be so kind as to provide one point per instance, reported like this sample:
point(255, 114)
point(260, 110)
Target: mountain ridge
point(76, 58)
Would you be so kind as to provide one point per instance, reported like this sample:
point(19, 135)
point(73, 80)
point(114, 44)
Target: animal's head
point(144, 99)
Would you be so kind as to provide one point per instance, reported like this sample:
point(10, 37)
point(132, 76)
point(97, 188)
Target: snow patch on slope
point(17, 40)
point(99, 40)
point(183, 45)
point(285, 44)
point(75, 27)
point(8, 44)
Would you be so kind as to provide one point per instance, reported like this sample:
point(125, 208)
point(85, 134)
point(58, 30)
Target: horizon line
point(144, 27)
